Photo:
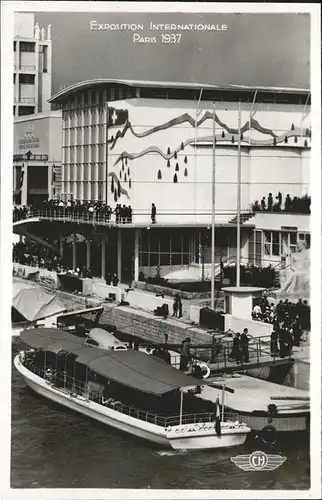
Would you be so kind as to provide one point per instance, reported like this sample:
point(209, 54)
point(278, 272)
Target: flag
point(22, 174)
point(53, 174)
point(117, 117)
point(217, 418)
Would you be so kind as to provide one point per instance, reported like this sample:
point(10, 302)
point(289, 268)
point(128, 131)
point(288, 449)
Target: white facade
point(32, 66)
point(37, 154)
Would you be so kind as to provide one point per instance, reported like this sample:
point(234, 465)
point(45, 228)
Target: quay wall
point(139, 323)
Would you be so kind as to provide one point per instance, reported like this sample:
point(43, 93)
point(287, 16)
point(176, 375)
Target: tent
point(33, 303)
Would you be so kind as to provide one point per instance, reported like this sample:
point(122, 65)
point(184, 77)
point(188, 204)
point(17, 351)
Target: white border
point(8, 8)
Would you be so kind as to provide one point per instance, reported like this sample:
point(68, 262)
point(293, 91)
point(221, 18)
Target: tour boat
point(125, 389)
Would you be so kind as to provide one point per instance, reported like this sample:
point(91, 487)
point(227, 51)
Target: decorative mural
point(226, 136)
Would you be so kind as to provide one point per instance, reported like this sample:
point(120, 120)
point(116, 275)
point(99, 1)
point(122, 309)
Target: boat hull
point(195, 441)
point(108, 416)
point(204, 437)
point(283, 423)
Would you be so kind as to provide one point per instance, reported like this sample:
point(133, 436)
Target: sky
point(255, 50)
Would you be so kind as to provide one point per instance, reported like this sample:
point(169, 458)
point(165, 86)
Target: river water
point(56, 448)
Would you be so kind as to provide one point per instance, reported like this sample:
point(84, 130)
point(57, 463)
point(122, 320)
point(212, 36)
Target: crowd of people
point(294, 205)
point(77, 209)
point(291, 323)
point(36, 255)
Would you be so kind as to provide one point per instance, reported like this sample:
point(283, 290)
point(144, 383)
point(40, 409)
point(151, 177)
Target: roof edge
point(162, 84)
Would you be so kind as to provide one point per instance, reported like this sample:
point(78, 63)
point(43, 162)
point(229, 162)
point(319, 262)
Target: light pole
point(238, 196)
point(106, 152)
point(213, 182)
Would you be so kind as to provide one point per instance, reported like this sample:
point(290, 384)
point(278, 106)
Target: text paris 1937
point(173, 38)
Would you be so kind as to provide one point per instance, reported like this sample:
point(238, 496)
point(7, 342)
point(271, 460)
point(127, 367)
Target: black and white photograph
point(160, 250)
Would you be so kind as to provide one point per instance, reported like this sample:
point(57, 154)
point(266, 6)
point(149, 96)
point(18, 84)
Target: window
point(255, 248)
point(29, 79)
point(27, 47)
point(272, 243)
point(305, 237)
point(14, 46)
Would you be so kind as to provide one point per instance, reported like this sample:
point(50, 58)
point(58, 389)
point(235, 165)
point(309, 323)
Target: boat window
point(91, 342)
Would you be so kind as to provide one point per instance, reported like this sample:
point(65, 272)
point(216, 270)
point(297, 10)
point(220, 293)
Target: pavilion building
point(140, 142)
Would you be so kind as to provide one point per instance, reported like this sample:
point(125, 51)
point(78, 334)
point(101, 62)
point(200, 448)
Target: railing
point(27, 100)
point(76, 388)
point(30, 157)
point(219, 356)
point(66, 215)
point(26, 67)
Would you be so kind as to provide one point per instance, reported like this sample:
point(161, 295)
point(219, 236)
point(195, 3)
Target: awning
point(140, 371)
point(43, 338)
point(33, 303)
point(134, 369)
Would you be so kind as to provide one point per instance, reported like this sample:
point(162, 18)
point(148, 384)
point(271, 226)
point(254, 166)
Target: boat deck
point(252, 394)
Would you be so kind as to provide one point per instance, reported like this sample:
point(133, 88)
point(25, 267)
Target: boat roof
point(134, 369)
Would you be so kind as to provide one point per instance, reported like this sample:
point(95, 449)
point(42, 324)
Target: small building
point(37, 158)
point(32, 66)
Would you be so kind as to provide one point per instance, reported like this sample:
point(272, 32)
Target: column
point(119, 254)
point(74, 252)
point(88, 254)
point(103, 257)
point(136, 254)
point(61, 244)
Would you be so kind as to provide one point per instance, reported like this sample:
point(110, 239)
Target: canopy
point(33, 303)
point(134, 369)
point(51, 339)
point(140, 371)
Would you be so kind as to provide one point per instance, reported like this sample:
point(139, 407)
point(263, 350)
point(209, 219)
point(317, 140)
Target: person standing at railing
point(235, 353)
point(185, 354)
point(274, 343)
point(244, 341)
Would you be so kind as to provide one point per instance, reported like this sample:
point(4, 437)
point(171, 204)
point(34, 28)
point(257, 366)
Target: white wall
point(264, 169)
point(275, 221)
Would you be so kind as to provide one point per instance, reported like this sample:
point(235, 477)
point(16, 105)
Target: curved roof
point(66, 92)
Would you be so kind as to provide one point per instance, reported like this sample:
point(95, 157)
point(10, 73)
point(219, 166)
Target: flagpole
point(250, 115)
point(181, 405)
point(238, 196)
point(213, 208)
point(195, 153)
point(106, 154)
point(223, 402)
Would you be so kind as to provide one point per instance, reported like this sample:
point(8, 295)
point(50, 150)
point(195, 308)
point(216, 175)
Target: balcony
point(30, 157)
point(26, 100)
point(25, 68)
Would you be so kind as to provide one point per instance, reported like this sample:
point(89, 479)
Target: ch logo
point(258, 461)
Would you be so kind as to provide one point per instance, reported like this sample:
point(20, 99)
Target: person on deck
point(185, 354)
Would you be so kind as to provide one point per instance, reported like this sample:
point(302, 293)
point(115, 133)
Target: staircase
point(244, 217)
